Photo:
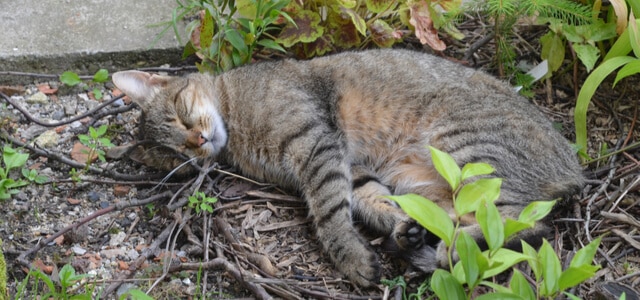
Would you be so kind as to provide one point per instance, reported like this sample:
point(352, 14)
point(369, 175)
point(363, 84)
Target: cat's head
point(179, 112)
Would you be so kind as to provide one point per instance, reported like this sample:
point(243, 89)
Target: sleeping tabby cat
point(346, 129)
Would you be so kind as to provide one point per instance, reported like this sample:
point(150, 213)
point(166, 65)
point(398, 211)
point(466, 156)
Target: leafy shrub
point(617, 57)
point(226, 33)
point(475, 266)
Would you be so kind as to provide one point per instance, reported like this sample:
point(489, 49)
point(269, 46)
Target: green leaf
point(499, 296)
point(306, 28)
point(382, 34)
point(471, 195)
point(428, 214)
point(446, 167)
point(70, 78)
point(586, 92)
point(101, 76)
point(97, 93)
point(511, 227)
point(503, 259)
point(634, 35)
point(588, 55)
point(490, 222)
point(237, 41)
point(13, 159)
point(138, 295)
point(552, 50)
point(357, 20)
point(631, 68)
point(445, 286)
point(271, 44)
point(476, 169)
point(536, 211)
point(575, 275)
point(551, 269)
point(473, 263)
point(378, 6)
point(520, 286)
point(584, 256)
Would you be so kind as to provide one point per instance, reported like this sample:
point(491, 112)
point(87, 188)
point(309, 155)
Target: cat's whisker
point(166, 178)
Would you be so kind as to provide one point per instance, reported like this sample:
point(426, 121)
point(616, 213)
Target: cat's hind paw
point(409, 235)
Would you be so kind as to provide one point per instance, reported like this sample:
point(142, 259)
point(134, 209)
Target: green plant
point(201, 202)
point(72, 79)
point(13, 159)
point(4, 294)
point(58, 288)
point(228, 32)
point(505, 14)
point(617, 57)
point(475, 266)
point(95, 141)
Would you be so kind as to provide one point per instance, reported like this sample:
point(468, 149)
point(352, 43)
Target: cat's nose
point(202, 140)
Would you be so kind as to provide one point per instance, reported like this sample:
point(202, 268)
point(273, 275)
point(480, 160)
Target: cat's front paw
point(361, 266)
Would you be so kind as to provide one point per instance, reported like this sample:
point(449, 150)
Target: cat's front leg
point(326, 186)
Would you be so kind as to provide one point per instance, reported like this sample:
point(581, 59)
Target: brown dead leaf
point(73, 201)
point(38, 263)
point(123, 265)
point(46, 89)
point(11, 90)
point(421, 20)
point(121, 190)
point(263, 263)
point(80, 153)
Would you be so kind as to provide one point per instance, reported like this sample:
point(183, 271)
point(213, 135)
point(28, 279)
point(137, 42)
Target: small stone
point(132, 216)
point(83, 96)
point(110, 254)
point(70, 107)
point(48, 139)
point(118, 103)
point(133, 254)
point(32, 132)
point(38, 98)
point(93, 196)
point(78, 250)
point(58, 115)
point(117, 239)
point(104, 204)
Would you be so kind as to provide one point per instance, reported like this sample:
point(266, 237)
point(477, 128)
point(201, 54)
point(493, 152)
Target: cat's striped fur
point(348, 128)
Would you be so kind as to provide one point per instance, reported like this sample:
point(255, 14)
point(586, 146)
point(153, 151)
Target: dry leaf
point(421, 20)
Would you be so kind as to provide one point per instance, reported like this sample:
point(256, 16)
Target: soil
point(129, 226)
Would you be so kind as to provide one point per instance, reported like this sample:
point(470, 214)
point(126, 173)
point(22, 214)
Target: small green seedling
point(57, 287)
point(95, 141)
point(72, 79)
point(13, 159)
point(200, 202)
point(475, 267)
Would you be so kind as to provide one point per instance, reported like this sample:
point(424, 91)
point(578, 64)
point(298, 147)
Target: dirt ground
point(128, 226)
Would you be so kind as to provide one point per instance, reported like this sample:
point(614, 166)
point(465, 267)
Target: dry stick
point(40, 75)
point(72, 163)
point(22, 258)
point(601, 190)
point(146, 254)
point(45, 124)
point(220, 263)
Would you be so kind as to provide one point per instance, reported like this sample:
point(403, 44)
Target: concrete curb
point(53, 36)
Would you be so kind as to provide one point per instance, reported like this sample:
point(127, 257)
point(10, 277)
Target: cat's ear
point(139, 86)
